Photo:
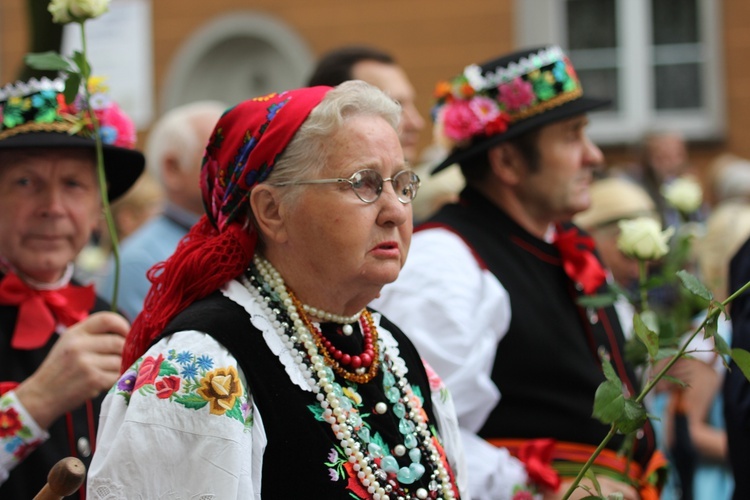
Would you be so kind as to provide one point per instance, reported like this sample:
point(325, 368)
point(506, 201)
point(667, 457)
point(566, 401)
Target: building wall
point(432, 39)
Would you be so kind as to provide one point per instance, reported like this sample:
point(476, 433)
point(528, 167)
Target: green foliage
point(742, 358)
point(647, 336)
point(48, 61)
point(694, 286)
point(659, 335)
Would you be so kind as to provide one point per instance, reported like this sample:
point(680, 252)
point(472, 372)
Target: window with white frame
point(658, 60)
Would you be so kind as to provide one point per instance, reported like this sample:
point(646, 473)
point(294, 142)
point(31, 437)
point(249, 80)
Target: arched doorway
point(235, 57)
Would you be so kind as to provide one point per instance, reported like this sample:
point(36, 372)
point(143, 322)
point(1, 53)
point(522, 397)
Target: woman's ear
point(267, 208)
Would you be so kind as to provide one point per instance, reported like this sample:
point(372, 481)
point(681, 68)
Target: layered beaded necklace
point(377, 470)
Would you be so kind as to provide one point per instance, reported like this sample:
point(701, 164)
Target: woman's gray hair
point(308, 151)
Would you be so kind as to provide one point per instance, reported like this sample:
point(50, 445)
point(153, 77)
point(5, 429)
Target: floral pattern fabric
point(19, 434)
point(180, 423)
point(187, 379)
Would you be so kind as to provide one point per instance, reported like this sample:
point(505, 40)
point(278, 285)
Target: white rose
point(684, 194)
point(88, 9)
point(643, 239)
point(60, 11)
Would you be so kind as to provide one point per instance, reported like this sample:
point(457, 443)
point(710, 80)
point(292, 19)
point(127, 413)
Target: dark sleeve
point(736, 386)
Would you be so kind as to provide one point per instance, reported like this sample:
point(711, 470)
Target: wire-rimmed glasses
point(367, 184)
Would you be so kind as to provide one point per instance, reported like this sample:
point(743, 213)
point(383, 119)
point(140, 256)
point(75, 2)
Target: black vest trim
point(546, 392)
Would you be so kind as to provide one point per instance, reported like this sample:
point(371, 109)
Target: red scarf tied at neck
point(579, 262)
point(39, 311)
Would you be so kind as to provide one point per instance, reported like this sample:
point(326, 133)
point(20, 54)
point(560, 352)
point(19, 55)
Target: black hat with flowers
point(505, 97)
point(34, 114)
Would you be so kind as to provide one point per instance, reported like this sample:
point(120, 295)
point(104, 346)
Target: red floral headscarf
point(242, 151)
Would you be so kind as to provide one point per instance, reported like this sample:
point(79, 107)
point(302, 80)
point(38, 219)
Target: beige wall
point(432, 39)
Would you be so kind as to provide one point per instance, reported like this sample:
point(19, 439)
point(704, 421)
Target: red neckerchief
point(39, 311)
point(578, 259)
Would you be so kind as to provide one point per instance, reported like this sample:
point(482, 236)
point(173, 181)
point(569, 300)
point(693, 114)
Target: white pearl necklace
point(321, 381)
point(314, 311)
point(330, 317)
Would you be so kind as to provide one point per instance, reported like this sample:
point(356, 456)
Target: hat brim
point(121, 165)
point(566, 110)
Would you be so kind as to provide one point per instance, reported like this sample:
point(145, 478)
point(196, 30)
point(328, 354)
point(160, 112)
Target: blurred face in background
point(392, 80)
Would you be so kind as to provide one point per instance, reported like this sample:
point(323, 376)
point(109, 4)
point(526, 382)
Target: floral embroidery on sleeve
point(189, 380)
point(19, 435)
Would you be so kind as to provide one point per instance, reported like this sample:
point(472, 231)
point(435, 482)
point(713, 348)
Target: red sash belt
point(546, 460)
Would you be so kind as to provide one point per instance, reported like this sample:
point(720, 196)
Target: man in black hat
point(489, 291)
point(59, 347)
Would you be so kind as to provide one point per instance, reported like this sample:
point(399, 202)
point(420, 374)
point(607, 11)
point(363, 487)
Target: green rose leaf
point(633, 417)
point(48, 61)
point(609, 371)
point(742, 358)
point(609, 403)
point(711, 328)
point(72, 85)
point(723, 348)
point(693, 285)
point(83, 65)
point(649, 337)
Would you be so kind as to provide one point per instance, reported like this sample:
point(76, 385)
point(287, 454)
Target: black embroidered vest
point(546, 367)
point(28, 477)
point(297, 462)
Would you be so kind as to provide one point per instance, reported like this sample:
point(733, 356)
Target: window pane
point(675, 21)
point(591, 24)
point(678, 86)
point(601, 83)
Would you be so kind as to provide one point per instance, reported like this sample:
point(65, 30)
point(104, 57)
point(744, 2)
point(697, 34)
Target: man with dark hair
point(380, 69)
point(489, 292)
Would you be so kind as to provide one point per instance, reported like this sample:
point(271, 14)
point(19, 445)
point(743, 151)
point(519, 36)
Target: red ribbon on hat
point(39, 311)
point(578, 259)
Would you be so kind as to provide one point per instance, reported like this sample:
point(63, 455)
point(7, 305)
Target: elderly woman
point(255, 369)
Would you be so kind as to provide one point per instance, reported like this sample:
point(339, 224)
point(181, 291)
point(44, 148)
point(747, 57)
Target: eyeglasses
point(368, 184)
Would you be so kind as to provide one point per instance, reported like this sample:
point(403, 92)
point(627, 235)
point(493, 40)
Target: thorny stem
point(712, 313)
point(85, 74)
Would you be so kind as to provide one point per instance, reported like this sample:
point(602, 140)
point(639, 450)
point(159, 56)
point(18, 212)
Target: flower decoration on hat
point(39, 106)
point(482, 102)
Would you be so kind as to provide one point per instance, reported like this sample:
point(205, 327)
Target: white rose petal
point(88, 9)
point(60, 11)
point(684, 194)
point(643, 239)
